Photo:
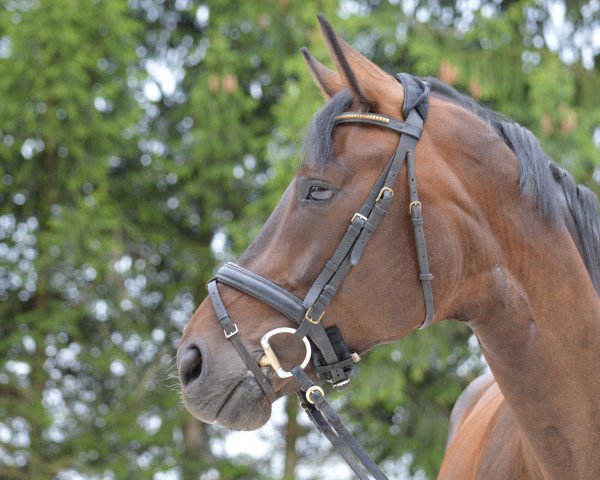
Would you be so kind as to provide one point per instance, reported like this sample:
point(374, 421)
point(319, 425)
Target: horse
point(513, 244)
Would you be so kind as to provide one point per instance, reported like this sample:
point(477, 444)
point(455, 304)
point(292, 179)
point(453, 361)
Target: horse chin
point(246, 407)
point(237, 405)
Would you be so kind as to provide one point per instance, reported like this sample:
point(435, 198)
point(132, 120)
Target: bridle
point(332, 361)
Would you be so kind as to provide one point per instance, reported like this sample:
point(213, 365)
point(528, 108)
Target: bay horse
point(513, 242)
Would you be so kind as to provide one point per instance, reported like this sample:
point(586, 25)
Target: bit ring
point(270, 357)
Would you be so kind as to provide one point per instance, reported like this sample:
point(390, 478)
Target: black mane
point(539, 174)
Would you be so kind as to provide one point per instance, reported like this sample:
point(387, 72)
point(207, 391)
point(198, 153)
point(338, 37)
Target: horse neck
point(537, 317)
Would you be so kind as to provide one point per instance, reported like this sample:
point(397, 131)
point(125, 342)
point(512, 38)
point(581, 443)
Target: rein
point(331, 358)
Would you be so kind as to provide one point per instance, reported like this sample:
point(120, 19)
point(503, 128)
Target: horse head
point(380, 299)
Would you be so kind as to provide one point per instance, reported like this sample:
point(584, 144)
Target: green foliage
point(88, 311)
point(134, 134)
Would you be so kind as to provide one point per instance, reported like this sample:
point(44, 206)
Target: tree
point(144, 142)
point(91, 306)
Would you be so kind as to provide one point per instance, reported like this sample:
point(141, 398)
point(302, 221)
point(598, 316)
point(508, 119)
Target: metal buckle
point(310, 319)
point(416, 203)
point(229, 335)
point(311, 390)
point(381, 192)
point(358, 215)
point(271, 357)
point(341, 385)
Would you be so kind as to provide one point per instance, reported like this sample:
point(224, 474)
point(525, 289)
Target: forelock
point(317, 147)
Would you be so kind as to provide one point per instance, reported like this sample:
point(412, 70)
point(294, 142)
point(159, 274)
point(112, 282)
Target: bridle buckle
point(338, 387)
point(308, 317)
point(311, 390)
point(231, 334)
point(382, 193)
point(412, 205)
point(358, 215)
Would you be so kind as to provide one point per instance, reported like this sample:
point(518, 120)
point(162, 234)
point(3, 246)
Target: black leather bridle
point(332, 361)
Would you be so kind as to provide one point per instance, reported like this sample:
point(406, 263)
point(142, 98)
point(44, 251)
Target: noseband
point(332, 361)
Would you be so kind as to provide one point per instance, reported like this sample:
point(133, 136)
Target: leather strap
point(375, 206)
point(354, 230)
point(292, 307)
point(384, 121)
point(327, 420)
point(323, 427)
point(230, 330)
point(264, 290)
point(417, 221)
point(416, 95)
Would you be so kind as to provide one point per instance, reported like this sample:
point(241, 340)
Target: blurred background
point(143, 142)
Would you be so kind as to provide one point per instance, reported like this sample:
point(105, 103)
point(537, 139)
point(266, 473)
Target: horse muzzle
point(232, 398)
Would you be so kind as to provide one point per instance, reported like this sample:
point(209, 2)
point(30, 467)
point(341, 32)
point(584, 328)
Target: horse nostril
point(190, 365)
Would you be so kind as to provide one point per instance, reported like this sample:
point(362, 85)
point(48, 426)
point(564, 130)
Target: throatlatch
point(332, 360)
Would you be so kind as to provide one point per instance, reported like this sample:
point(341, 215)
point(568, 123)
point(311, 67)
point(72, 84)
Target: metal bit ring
point(270, 357)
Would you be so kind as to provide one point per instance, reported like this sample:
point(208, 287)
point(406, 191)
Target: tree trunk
point(293, 431)
point(197, 451)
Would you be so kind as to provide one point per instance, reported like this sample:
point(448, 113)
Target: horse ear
point(328, 80)
point(371, 85)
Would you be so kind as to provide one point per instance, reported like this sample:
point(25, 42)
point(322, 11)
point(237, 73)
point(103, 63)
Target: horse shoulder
point(466, 401)
point(485, 441)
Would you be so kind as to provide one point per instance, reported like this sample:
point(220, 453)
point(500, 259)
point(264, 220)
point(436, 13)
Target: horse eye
point(318, 193)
